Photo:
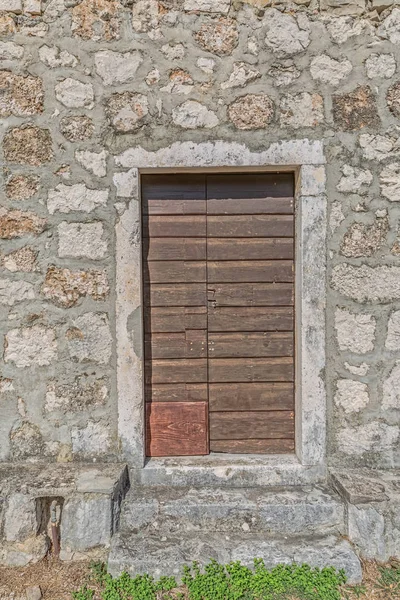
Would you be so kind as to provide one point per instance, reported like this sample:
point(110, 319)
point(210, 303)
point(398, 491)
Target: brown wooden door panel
point(176, 271)
point(177, 392)
point(247, 344)
point(174, 226)
point(250, 249)
point(250, 226)
point(250, 185)
point(250, 318)
point(176, 294)
point(176, 371)
point(174, 207)
point(175, 248)
point(250, 206)
point(250, 396)
point(190, 344)
point(221, 370)
point(175, 319)
point(279, 271)
point(251, 294)
point(271, 446)
point(176, 428)
point(251, 425)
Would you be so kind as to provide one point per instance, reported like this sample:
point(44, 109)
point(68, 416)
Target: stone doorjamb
point(306, 158)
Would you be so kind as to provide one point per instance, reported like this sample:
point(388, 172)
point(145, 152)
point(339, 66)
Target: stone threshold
point(228, 470)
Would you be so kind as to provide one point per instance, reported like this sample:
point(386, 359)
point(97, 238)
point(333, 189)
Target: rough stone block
point(28, 346)
point(329, 70)
point(367, 284)
point(355, 110)
point(83, 393)
point(194, 115)
point(54, 57)
point(22, 187)
point(301, 110)
point(219, 37)
point(11, 6)
point(81, 240)
point(77, 197)
point(21, 95)
point(391, 385)
point(20, 518)
point(380, 65)
point(286, 35)
point(127, 111)
point(116, 67)
point(16, 224)
point(28, 145)
point(77, 128)
point(86, 522)
point(254, 111)
point(94, 162)
point(351, 396)
point(367, 531)
point(65, 287)
point(97, 19)
point(73, 93)
point(92, 440)
point(12, 292)
point(89, 339)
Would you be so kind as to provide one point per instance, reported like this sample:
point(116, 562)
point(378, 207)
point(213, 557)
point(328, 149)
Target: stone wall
point(84, 81)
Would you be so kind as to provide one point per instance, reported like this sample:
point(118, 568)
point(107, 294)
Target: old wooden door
point(218, 268)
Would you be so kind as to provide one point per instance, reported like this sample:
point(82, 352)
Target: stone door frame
point(304, 157)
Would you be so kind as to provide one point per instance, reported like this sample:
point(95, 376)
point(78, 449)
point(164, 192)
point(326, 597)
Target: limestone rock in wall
point(173, 51)
point(367, 284)
point(352, 396)
point(390, 27)
point(241, 75)
point(301, 110)
point(146, 17)
point(372, 437)
point(97, 19)
point(336, 216)
point(19, 518)
point(390, 182)
point(219, 36)
point(53, 57)
point(77, 197)
point(12, 292)
point(81, 240)
point(355, 331)
point(393, 334)
point(64, 287)
point(23, 260)
point(254, 111)
point(77, 128)
point(30, 346)
point(28, 145)
point(89, 339)
point(391, 385)
point(329, 70)
point(355, 110)
point(22, 187)
point(14, 6)
point(92, 440)
point(82, 394)
point(193, 115)
point(20, 96)
point(127, 111)
point(11, 51)
point(207, 6)
point(393, 99)
point(284, 73)
point(95, 162)
point(344, 7)
point(378, 147)
point(364, 240)
point(286, 35)
point(16, 223)
point(117, 67)
point(380, 65)
point(126, 183)
point(73, 93)
point(26, 441)
point(343, 28)
point(354, 180)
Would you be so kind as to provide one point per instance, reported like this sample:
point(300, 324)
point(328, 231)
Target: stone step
point(166, 555)
point(287, 511)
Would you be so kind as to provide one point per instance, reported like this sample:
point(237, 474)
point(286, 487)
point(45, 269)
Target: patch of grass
point(389, 581)
point(222, 582)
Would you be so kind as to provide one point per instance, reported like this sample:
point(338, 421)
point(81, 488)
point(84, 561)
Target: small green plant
point(389, 581)
point(98, 571)
point(84, 593)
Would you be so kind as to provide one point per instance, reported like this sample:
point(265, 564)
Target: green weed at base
point(221, 582)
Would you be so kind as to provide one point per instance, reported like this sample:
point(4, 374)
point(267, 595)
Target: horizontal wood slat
point(251, 425)
point(247, 344)
point(271, 446)
point(224, 370)
point(251, 294)
point(177, 392)
point(250, 206)
point(176, 429)
point(174, 186)
point(250, 185)
point(250, 318)
point(250, 396)
point(175, 248)
point(188, 344)
point(175, 271)
point(250, 226)
point(174, 226)
point(175, 294)
point(174, 207)
point(175, 319)
point(250, 249)
point(255, 271)
point(176, 371)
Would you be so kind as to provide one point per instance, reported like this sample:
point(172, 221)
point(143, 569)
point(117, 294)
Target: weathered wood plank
point(176, 428)
point(188, 344)
point(175, 249)
point(250, 318)
point(175, 319)
point(251, 396)
point(174, 207)
point(251, 425)
point(175, 294)
point(250, 185)
point(173, 186)
point(176, 371)
point(250, 249)
point(247, 344)
point(177, 392)
point(250, 226)
point(175, 271)
point(174, 226)
point(256, 271)
point(271, 446)
point(251, 206)
point(225, 370)
point(251, 294)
